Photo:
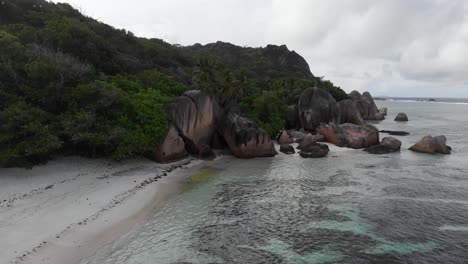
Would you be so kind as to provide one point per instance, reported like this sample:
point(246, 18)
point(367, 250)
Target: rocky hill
point(70, 84)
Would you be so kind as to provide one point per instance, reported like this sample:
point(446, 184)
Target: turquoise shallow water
point(350, 207)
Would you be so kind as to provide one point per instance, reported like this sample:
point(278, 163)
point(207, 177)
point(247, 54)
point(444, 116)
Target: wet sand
point(67, 210)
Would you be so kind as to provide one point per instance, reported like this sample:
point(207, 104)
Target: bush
point(26, 136)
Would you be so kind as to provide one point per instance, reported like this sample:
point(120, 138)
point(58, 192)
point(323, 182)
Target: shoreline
point(66, 220)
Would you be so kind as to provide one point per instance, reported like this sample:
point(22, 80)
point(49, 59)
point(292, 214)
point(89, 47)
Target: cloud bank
point(389, 47)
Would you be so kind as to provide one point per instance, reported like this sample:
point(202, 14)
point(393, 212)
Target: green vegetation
point(72, 85)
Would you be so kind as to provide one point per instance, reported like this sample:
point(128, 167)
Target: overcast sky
point(388, 47)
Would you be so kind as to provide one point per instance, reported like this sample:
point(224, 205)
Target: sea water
point(349, 207)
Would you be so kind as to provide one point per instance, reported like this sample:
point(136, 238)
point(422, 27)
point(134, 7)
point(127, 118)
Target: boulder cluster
point(198, 125)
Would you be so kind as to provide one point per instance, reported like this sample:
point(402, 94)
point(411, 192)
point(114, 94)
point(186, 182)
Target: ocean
point(349, 207)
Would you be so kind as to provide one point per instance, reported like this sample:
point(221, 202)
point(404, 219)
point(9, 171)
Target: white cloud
point(390, 47)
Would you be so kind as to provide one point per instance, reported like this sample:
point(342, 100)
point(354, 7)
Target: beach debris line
point(118, 199)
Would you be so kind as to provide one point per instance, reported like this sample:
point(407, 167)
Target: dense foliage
point(71, 84)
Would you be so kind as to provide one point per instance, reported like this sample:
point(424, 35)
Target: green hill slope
point(71, 84)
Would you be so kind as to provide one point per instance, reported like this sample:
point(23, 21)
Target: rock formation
point(172, 148)
point(387, 145)
point(244, 137)
point(432, 145)
point(315, 150)
point(206, 153)
point(194, 115)
point(350, 135)
point(316, 106)
point(366, 106)
point(349, 113)
point(287, 149)
point(401, 117)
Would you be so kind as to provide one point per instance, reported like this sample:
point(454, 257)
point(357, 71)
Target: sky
point(388, 47)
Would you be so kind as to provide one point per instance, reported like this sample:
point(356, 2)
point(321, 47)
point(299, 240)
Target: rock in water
point(383, 111)
point(432, 145)
point(194, 115)
point(366, 106)
point(401, 117)
point(244, 137)
point(388, 145)
point(349, 113)
point(315, 150)
point(172, 148)
point(350, 135)
point(287, 149)
point(395, 133)
point(316, 106)
point(309, 139)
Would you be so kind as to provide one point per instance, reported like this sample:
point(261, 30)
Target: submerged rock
point(401, 117)
point(395, 133)
point(244, 137)
point(172, 148)
point(316, 106)
point(194, 115)
point(350, 135)
point(432, 145)
point(315, 150)
point(348, 112)
point(366, 106)
point(388, 145)
point(287, 149)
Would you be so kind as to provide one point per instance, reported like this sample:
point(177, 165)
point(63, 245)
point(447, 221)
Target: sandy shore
point(66, 210)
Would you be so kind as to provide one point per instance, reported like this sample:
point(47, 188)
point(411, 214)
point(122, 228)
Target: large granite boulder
point(287, 149)
point(315, 150)
point(350, 135)
point(387, 145)
point(401, 117)
point(244, 137)
point(194, 115)
point(316, 106)
point(285, 137)
point(348, 112)
point(432, 145)
point(366, 105)
point(172, 148)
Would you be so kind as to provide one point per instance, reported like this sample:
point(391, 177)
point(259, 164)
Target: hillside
point(70, 84)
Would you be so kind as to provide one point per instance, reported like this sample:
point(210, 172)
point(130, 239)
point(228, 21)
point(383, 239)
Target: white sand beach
point(66, 210)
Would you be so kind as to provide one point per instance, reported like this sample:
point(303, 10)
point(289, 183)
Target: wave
point(427, 101)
